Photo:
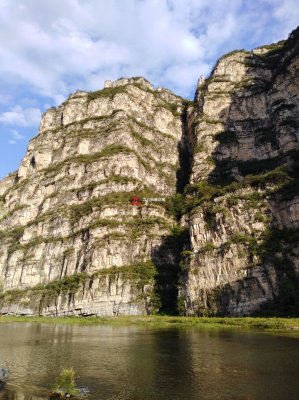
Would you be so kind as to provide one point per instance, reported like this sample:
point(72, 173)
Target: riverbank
point(282, 325)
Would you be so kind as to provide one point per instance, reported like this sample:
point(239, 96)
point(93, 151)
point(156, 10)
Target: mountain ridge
point(221, 178)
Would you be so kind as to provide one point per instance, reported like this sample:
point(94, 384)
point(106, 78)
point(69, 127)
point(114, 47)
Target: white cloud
point(55, 47)
point(16, 136)
point(287, 12)
point(19, 116)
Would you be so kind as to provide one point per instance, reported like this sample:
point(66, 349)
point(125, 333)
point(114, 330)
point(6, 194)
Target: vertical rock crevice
point(168, 256)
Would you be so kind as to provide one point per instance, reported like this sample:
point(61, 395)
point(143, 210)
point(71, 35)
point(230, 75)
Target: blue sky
point(51, 48)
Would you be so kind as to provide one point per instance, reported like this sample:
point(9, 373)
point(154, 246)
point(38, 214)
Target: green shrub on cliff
point(175, 205)
point(106, 92)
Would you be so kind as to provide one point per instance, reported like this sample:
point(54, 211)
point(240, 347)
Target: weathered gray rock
point(3, 374)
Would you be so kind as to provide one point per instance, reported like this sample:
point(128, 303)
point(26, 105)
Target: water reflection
point(128, 363)
point(20, 396)
point(8, 394)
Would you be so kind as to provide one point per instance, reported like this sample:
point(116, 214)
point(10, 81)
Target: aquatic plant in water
point(65, 384)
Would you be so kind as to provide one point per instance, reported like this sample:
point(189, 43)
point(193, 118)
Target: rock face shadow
point(246, 244)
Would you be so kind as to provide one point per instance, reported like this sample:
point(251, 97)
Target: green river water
point(139, 363)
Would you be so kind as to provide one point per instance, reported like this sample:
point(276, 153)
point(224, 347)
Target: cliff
point(214, 230)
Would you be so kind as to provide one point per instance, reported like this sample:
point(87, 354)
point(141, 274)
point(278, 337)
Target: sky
point(51, 48)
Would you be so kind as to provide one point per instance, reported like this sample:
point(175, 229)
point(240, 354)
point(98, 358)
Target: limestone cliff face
point(244, 230)
point(67, 210)
point(217, 230)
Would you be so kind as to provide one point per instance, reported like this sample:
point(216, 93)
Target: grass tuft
point(65, 384)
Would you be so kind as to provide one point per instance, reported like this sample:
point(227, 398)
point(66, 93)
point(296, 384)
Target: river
point(139, 363)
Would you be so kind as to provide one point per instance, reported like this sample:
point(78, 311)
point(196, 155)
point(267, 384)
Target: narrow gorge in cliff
point(132, 200)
